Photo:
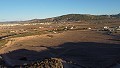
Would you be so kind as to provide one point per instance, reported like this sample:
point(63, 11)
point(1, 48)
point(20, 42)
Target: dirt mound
point(47, 63)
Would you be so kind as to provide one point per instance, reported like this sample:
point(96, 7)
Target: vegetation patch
point(2, 42)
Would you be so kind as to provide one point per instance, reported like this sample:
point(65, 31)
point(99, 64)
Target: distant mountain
point(117, 15)
point(75, 18)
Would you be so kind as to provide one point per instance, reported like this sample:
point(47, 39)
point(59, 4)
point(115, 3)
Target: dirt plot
point(82, 47)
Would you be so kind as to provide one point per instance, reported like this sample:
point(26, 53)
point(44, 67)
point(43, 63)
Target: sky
point(20, 10)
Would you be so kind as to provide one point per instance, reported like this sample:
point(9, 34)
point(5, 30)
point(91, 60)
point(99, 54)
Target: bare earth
point(57, 39)
point(70, 46)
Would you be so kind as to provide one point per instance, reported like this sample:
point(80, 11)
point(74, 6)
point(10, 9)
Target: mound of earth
point(46, 63)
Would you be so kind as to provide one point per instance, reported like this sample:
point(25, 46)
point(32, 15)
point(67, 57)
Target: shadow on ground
point(87, 54)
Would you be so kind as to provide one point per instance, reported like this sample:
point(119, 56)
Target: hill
point(76, 18)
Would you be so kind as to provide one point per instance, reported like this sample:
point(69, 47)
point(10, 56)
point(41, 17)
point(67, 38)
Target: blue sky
point(12, 10)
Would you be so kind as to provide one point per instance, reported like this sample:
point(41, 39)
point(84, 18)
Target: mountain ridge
point(76, 17)
point(71, 18)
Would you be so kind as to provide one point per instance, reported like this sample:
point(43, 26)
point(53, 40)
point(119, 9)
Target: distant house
point(106, 27)
point(111, 29)
point(118, 28)
point(89, 28)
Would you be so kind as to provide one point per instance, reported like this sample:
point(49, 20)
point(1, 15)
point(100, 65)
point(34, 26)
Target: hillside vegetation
point(77, 18)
